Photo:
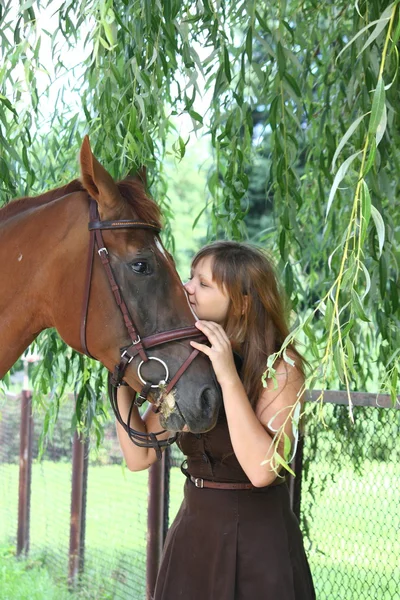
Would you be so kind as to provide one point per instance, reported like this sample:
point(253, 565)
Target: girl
point(234, 537)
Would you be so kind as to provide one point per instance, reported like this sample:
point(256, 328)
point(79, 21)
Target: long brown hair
point(256, 322)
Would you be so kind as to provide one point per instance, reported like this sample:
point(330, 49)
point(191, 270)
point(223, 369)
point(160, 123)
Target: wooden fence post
point(25, 472)
point(155, 524)
point(84, 502)
point(77, 493)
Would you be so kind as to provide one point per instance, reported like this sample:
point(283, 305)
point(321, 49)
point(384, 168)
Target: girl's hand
point(220, 353)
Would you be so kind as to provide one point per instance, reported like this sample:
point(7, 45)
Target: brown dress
point(231, 544)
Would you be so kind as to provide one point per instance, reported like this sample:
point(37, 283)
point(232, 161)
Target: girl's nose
point(188, 287)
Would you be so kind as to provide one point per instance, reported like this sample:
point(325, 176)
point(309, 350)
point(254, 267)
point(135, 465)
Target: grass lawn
point(28, 579)
point(354, 526)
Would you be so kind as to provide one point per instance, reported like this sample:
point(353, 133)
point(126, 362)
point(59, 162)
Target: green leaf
point(8, 104)
point(378, 105)
point(182, 147)
point(380, 227)
point(358, 307)
point(380, 131)
point(293, 83)
point(166, 8)
point(26, 5)
point(199, 215)
point(227, 66)
point(195, 115)
point(338, 361)
point(220, 82)
point(288, 359)
point(288, 279)
point(278, 458)
point(273, 112)
point(380, 26)
point(110, 30)
point(367, 281)
point(287, 445)
point(346, 138)
point(382, 22)
point(249, 44)
point(281, 60)
point(283, 250)
point(350, 352)
point(340, 175)
point(371, 157)
point(104, 43)
point(365, 209)
point(262, 22)
point(383, 276)
point(329, 309)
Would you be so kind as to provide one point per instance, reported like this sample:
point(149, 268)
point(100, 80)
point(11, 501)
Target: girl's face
point(208, 301)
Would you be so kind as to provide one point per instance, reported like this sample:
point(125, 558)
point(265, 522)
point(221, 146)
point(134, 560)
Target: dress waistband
point(199, 482)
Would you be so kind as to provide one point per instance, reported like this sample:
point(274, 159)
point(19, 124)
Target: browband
point(123, 224)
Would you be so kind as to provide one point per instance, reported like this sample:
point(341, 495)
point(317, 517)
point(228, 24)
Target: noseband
point(139, 346)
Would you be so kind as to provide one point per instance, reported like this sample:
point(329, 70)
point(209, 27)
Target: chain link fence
point(114, 560)
point(350, 491)
point(350, 498)
point(9, 452)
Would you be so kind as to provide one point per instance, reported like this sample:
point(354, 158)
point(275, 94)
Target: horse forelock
point(145, 208)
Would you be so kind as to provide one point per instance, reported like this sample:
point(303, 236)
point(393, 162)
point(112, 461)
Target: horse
point(49, 278)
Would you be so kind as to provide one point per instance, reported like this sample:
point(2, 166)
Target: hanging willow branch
point(299, 102)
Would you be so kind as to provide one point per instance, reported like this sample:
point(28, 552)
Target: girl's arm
point(250, 431)
point(137, 458)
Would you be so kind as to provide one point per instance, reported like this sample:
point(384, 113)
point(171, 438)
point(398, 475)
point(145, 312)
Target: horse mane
point(131, 190)
point(20, 204)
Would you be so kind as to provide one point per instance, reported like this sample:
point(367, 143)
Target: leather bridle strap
point(86, 293)
point(158, 339)
point(133, 334)
point(138, 346)
point(180, 371)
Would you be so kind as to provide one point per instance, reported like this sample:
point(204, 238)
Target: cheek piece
point(138, 346)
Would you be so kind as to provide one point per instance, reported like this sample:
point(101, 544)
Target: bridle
point(139, 346)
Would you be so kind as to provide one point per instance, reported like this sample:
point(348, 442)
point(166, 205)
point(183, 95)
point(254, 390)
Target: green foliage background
point(297, 104)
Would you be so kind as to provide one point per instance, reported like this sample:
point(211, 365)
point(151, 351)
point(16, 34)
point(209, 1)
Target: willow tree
point(301, 97)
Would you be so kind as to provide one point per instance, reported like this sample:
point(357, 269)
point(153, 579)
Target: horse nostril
point(207, 401)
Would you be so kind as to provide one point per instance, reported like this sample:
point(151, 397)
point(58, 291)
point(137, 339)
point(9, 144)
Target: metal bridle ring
point(162, 381)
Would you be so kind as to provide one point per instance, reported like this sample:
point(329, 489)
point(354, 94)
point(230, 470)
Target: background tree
point(298, 103)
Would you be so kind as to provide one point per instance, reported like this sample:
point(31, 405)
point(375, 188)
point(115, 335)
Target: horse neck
point(32, 246)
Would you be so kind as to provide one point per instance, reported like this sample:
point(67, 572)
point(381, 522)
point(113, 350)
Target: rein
point(138, 346)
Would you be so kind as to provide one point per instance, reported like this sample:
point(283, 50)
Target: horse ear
point(98, 182)
point(141, 174)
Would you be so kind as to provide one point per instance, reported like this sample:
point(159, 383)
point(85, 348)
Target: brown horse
point(43, 264)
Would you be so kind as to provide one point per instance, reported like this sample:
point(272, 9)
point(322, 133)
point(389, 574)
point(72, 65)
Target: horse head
point(155, 299)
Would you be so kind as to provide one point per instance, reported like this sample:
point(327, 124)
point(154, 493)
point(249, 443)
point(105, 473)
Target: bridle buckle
point(100, 250)
point(130, 357)
point(199, 482)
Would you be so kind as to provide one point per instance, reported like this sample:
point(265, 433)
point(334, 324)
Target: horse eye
point(142, 267)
